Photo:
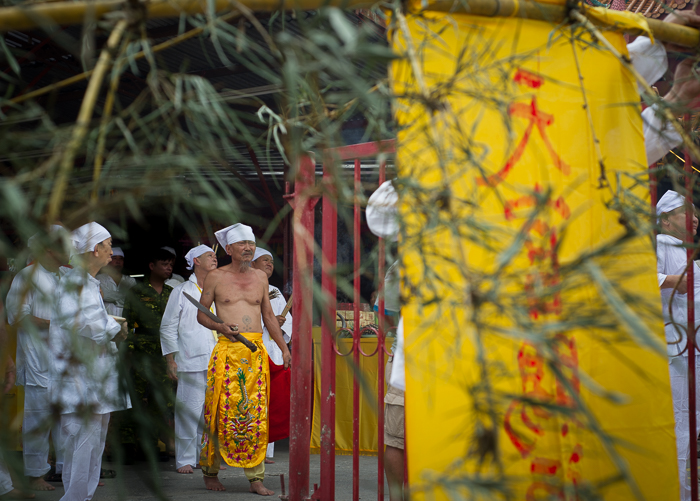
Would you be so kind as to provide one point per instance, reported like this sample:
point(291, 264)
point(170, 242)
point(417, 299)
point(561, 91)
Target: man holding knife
point(237, 380)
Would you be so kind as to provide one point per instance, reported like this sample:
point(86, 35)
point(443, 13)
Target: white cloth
point(381, 214)
point(196, 252)
point(273, 350)
point(170, 250)
point(83, 368)
point(670, 201)
point(671, 260)
point(678, 369)
point(175, 280)
point(270, 450)
point(114, 295)
point(182, 334)
point(84, 443)
point(650, 61)
point(398, 374)
point(5, 479)
point(35, 239)
point(88, 236)
point(661, 278)
point(117, 251)
point(189, 417)
point(32, 294)
point(392, 293)
point(235, 233)
point(260, 252)
point(37, 423)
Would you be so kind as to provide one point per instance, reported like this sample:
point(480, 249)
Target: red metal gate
point(303, 201)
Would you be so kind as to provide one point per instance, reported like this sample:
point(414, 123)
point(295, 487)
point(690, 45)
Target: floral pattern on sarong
point(235, 407)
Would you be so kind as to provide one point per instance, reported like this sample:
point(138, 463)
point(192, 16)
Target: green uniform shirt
point(144, 309)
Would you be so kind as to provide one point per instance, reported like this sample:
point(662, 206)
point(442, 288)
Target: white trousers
point(84, 443)
point(189, 417)
point(36, 427)
point(5, 479)
point(270, 450)
point(678, 368)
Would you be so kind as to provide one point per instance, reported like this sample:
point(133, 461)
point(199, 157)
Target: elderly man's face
point(206, 261)
point(674, 224)
point(266, 264)
point(241, 251)
point(103, 251)
point(117, 263)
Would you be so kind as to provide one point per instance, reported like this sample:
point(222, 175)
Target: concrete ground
point(135, 481)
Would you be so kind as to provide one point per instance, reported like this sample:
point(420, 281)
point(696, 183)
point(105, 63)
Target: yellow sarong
point(235, 407)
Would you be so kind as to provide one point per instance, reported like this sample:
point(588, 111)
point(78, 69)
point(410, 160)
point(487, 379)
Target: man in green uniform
point(151, 390)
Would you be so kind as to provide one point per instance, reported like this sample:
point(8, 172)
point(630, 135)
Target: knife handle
point(247, 343)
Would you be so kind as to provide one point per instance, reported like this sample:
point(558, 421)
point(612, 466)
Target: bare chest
point(239, 289)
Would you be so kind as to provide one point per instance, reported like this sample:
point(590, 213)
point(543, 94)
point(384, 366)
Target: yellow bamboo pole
point(61, 12)
point(81, 124)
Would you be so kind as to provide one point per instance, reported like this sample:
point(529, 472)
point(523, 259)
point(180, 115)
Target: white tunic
point(671, 260)
point(113, 294)
point(273, 350)
point(84, 358)
point(32, 293)
point(180, 333)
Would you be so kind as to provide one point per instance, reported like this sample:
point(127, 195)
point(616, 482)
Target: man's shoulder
point(261, 275)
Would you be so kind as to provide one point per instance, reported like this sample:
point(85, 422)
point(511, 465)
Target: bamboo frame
point(62, 12)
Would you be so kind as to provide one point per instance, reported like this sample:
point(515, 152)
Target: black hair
point(161, 255)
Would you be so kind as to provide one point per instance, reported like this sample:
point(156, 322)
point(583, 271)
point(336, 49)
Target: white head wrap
point(671, 200)
point(117, 251)
point(88, 236)
point(234, 233)
point(34, 239)
point(170, 250)
point(260, 252)
point(196, 252)
point(382, 212)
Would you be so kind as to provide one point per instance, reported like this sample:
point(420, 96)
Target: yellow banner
point(532, 368)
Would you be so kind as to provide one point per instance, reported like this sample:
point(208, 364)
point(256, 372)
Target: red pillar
point(302, 282)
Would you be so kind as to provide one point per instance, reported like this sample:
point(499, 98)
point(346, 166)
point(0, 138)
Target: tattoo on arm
point(247, 323)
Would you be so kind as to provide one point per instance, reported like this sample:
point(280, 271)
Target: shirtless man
point(237, 392)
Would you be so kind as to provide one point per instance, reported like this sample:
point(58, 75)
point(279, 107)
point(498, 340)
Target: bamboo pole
point(84, 116)
point(62, 12)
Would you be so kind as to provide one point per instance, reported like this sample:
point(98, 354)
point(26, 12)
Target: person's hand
point(683, 18)
point(673, 280)
point(281, 320)
point(122, 334)
point(686, 83)
point(171, 370)
point(10, 377)
point(287, 357)
point(227, 330)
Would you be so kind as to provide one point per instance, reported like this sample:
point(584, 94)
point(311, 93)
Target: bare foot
point(100, 484)
point(18, 494)
point(39, 484)
point(185, 469)
point(259, 488)
point(269, 461)
point(213, 484)
point(222, 467)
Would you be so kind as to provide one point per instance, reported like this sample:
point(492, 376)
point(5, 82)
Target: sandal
point(107, 473)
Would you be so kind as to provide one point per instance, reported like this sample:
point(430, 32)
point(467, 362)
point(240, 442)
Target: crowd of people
point(200, 365)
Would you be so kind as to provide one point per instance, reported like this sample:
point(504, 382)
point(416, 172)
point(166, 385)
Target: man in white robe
point(187, 347)
point(263, 260)
point(114, 284)
point(84, 377)
point(30, 304)
point(672, 260)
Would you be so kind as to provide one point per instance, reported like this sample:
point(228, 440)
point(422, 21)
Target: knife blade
point(216, 319)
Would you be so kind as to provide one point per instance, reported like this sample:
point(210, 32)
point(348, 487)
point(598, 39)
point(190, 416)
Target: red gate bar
point(328, 284)
point(356, 338)
point(690, 329)
point(381, 336)
point(301, 389)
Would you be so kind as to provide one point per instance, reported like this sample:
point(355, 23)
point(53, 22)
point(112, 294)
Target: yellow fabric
point(253, 474)
point(503, 97)
point(235, 407)
point(343, 399)
point(622, 18)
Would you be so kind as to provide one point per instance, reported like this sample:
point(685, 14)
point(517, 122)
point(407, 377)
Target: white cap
point(381, 213)
point(34, 239)
point(88, 236)
point(117, 251)
point(235, 233)
point(260, 252)
point(196, 252)
point(170, 250)
point(671, 200)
